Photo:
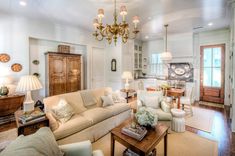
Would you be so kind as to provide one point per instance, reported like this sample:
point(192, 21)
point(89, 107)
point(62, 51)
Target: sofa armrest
point(77, 149)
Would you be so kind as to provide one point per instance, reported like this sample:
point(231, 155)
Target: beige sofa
point(89, 122)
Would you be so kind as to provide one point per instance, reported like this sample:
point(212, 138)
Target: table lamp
point(27, 84)
point(127, 75)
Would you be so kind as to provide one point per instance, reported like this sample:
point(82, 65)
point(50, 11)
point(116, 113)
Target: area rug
point(179, 144)
point(7, 137)
point(202, 119)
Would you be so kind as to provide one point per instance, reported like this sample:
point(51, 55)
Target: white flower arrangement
point(145, 117)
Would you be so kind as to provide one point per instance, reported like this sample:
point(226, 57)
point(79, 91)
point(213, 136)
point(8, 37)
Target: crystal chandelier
point(115, 30)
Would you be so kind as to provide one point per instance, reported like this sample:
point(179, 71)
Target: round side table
point(178, 121)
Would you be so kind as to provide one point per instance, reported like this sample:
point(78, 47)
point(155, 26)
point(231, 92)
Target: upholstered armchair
point(43, 143)
point(156, 103)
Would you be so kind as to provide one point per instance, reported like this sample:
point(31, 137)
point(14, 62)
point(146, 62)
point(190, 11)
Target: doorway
point(98, 68)
point(212, 73)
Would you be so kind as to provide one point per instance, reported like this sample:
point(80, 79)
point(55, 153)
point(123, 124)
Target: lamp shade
point(28, 83)
point(166, 56)
point(127, 75)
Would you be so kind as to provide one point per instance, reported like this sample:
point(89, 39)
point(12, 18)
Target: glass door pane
point(207, 57)
point(216, 57)
point(216, 82)
point(207, 73)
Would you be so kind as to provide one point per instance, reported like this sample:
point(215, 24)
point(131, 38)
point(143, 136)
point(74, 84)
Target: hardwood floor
point(221, 130)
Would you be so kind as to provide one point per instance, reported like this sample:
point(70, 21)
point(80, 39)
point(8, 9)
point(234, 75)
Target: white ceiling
point(181, 15)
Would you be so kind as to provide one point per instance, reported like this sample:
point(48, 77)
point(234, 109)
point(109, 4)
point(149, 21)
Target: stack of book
point(35, 115)
point(137, 132)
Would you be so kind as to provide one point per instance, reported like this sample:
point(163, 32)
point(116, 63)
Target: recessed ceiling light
point(210, 24)
point(23, 3)
point(146, 37)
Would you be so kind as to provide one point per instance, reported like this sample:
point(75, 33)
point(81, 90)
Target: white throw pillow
point(152, 102)
point(107, 100)
point(62, 111)
point(117, 98)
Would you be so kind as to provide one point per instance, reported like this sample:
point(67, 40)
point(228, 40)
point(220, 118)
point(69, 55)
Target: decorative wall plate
point(36, 62)
point(36, 74)
point(4, 57)
point(16, 67)
point(179, 71)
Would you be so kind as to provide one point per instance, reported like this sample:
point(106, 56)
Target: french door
point(212, 73)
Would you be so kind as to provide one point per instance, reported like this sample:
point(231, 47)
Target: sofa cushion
point(74, 125)
point(101, 92)
point(161, 114)
point(40, 143)
point(152, 102)
point(74, 99)
point(97, 114)
point(118, 108)
point(88, 98)
point(165, 107)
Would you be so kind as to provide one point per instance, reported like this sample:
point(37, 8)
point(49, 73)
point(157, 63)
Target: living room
point(177, 54)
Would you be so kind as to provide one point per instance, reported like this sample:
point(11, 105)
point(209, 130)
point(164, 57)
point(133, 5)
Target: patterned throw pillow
point(165, 107)
point(107, 100)
point(62, 111)
point(117, 98)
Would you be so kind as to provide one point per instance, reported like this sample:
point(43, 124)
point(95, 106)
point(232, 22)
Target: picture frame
point(113, 65)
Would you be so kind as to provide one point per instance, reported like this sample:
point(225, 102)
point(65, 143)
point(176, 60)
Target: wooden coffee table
point(144, 147)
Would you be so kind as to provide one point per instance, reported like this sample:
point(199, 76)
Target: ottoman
point(178, 121)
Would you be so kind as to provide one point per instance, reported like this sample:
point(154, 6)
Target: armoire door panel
point(73, 73)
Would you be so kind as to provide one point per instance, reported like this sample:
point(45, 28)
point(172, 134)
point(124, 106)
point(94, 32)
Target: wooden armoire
point(63, 73)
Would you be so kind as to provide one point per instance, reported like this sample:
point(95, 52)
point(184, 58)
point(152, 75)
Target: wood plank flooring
point(221, 130)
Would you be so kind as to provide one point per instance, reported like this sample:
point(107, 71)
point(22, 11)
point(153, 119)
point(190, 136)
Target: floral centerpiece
point(146, 118)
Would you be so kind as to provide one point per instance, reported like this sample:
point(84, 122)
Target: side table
point(127, 91)
point(31, 126)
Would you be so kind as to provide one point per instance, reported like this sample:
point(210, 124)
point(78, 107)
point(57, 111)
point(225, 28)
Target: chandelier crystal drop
point(111, 32)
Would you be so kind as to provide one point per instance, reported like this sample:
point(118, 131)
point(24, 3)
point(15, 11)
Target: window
point(156, 65)
point(212, 67)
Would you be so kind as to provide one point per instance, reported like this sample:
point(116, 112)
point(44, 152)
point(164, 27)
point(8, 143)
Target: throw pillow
point(152, 102)
point(107, 100)
point(117, 98)
point(40, 143)
point(62, 111)
point(165, 107)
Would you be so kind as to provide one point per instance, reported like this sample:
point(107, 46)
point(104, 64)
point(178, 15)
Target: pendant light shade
point(166, 55)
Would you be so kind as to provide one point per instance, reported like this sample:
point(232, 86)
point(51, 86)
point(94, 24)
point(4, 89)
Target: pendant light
point(166, 55)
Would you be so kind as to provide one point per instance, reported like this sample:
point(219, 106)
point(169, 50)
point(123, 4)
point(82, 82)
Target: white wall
point(186, 48)
point(37, 50)
point(15, 33)
point(113, 79)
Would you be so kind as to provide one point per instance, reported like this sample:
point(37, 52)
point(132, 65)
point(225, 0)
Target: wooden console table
point(9, 104)
point(176, 92)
